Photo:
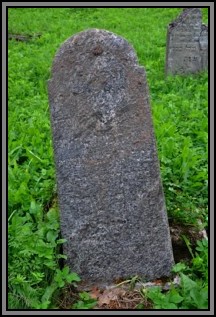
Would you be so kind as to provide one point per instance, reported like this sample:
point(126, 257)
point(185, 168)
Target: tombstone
point(110, 194)
point(187, 43)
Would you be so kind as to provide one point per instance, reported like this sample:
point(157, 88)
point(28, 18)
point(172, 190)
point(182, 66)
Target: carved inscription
point(187, 43)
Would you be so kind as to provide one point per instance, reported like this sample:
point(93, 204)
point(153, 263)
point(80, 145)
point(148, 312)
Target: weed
point(85, 301)
point(192, 292)
point(33, 253)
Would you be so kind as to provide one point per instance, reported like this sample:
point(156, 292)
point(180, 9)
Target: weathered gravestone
point(110, 194)
point(187, 43)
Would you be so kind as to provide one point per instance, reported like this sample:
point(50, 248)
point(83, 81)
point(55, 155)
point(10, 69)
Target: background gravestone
point(187, 43)
point(110, 194)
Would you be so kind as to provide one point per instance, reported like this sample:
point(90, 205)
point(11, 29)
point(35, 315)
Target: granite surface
point(111, 199)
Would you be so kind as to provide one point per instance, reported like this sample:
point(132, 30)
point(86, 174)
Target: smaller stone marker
point(187, 43)
point(111, 198)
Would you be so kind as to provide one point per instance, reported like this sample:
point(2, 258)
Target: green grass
point(192, 292)
point(180, 114)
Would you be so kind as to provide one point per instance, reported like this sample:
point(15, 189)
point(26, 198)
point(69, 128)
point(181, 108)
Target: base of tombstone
point(125, 294)
point(180, 253)
point(85, 286)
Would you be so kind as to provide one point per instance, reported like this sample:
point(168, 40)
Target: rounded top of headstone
point(187, 16)
point(94, 44)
